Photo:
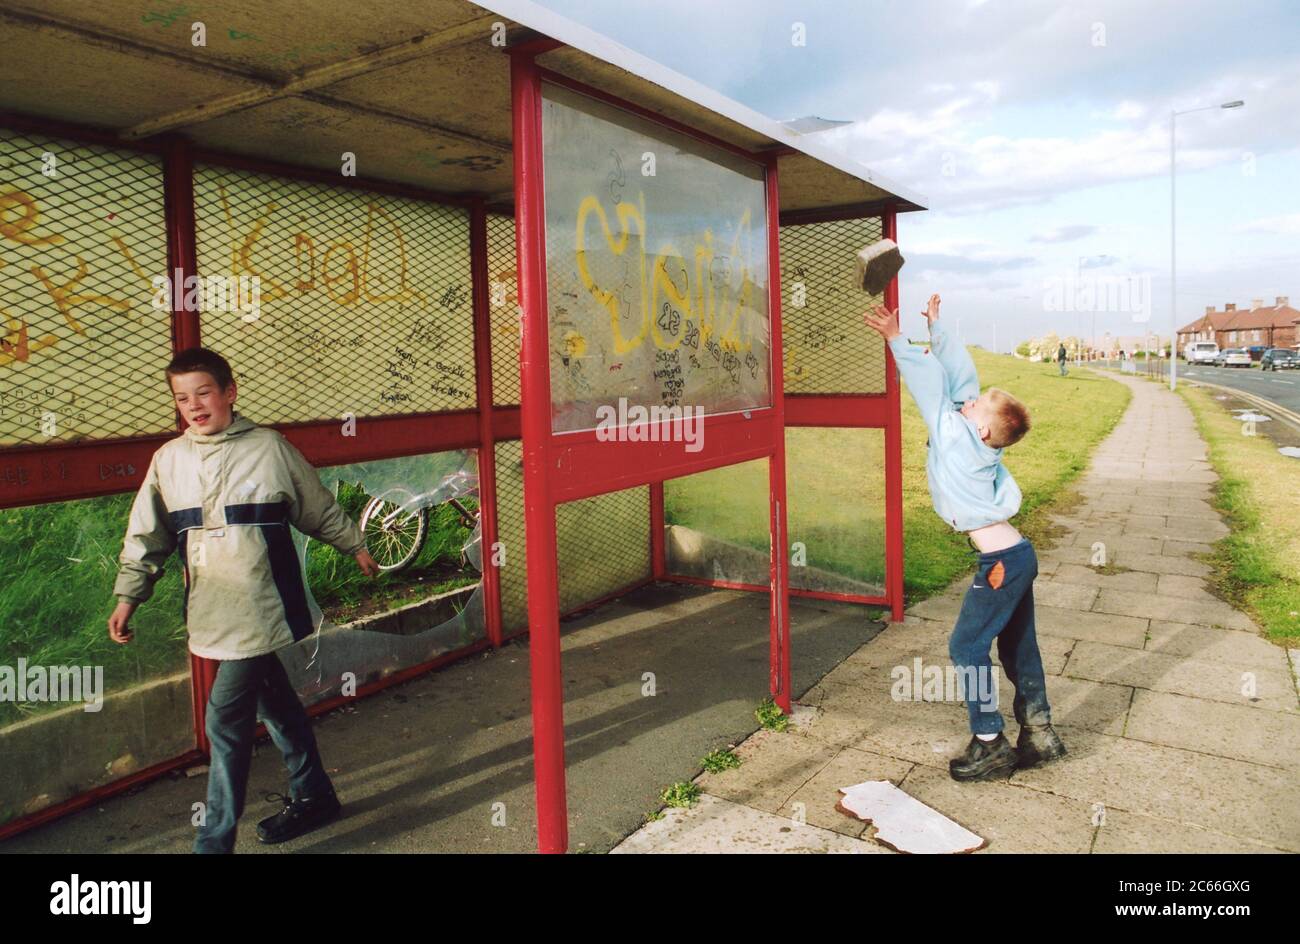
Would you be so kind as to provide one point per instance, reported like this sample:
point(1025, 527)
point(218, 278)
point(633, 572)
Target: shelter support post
point(487, 491)
point(535, 423)
point(658, 561)
point(780, 556)
point(182, 263)
point(893, 455)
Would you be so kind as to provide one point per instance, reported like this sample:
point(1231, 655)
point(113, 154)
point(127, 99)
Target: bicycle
point(396, 522)
point(395, 536)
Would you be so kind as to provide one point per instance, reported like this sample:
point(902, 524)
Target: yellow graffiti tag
point(611, 302)
point(709, 306)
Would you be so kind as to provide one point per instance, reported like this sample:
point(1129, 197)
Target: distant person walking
point(1060, 358)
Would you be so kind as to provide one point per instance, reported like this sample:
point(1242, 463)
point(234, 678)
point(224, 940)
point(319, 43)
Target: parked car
point(1233, 357)
point(1201, 352)
point(1280, 358)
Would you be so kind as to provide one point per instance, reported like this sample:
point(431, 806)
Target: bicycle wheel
point(394, 538)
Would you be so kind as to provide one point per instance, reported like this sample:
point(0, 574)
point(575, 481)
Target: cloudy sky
point(1039, 132)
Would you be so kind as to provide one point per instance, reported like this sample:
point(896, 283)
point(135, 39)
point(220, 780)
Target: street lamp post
point(1173, 245)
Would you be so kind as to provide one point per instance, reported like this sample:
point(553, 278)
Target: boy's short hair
point(1010, 419)
point(203, 359)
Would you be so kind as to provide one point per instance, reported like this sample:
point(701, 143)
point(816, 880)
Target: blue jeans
point(244, 691)
point(1063, 370)
point(1003, 609)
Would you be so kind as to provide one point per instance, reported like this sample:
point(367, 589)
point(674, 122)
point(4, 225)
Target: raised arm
point(963, 381)
point(925, 376)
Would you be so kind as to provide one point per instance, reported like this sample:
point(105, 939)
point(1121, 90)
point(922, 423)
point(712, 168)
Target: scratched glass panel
point(657, 283)
point(826, 347)
point(361, 304)
point(503, 309)
point(717, 522)
point(835, 484)
point(87, 710)
point(602, 543)
point(420, 517)
point(82, 347)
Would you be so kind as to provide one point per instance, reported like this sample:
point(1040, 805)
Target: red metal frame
point(487, 480)
point(780, 554)
point(111, 467)
point(535, 415)
point(893, 457)
point(562, 467)
point(658, 555)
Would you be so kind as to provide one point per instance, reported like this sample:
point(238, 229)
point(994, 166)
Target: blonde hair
point(1010, 419)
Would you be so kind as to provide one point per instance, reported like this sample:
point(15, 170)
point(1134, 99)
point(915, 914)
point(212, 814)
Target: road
point(1280, 386)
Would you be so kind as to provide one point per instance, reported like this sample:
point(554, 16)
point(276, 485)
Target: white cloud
point(1124, 111)
point(1288, 225)
point(1065, 234)
point(946, 152)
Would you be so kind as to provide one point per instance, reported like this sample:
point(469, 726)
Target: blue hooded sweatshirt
point(969, 485)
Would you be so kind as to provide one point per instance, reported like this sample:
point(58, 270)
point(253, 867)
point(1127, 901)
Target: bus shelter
point(478, 254)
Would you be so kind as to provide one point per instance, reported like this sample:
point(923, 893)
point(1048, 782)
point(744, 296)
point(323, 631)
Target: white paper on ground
point(904, 822)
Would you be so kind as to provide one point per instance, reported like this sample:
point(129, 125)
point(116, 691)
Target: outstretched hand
point(883, 321)
point(931, 310)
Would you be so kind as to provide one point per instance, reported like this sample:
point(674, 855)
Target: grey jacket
point(224, 502)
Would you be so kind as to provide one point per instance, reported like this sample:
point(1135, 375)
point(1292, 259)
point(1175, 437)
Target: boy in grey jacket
point(222, 496)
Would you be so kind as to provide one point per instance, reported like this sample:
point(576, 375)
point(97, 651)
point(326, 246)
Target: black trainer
point(984, 759)
point(298, 816)
point(1038, 744)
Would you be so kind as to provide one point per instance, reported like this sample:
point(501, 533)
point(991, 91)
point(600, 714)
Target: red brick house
point(1260, 325)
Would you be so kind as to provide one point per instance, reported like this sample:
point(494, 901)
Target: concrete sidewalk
point(1146, 671)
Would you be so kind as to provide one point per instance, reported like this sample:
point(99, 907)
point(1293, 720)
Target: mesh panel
point(835, 488)
point(364, 298)
point(503, 305)
point(827, 348)
point(82, 349)
point(603, 543)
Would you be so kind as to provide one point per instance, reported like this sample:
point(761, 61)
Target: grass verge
point(1257, 566)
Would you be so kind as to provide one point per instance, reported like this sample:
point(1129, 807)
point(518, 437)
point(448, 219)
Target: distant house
point(1110, 346)
point(1260, 325)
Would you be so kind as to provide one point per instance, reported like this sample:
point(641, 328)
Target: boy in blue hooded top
point(973, 492)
